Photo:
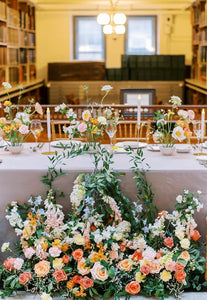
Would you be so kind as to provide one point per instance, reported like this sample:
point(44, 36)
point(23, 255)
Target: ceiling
point(120, 4)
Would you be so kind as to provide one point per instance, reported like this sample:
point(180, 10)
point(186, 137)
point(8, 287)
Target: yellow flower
point(139, 277)
point(79, 239)
point(70, 284)
point(58, 263)
point(2, 120)
point(7, 102)
point(56, 243)
point(165, 275)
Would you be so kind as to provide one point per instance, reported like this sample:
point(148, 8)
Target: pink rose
point(191, 114)
point(113, 254)
point(171, 266)
point(82, 127)
point(29, 252)
point(54, 251)
point(145, 269)
point(23, 129)
point(18, 263)
point(168, 241)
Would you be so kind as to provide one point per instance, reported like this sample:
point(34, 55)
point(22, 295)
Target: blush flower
point(99, 272)
point(54, 251)
point(42, 268)
point(23, 129)
point(29, 252)
point(24, 277)
point(82, 127)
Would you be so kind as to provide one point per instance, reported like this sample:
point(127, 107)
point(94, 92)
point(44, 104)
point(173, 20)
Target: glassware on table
point(111, 129)
point(36, 129)
point(197, 130)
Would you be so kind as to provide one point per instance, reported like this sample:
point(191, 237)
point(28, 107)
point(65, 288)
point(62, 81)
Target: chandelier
point(113, 22)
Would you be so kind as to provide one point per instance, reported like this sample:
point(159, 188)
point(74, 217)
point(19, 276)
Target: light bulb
point(103, 19)
point(119, 29)
point(119, 18)
point(108, 29)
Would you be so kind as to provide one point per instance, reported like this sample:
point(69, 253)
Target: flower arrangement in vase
point(172, 126)
point(93, 123)
point(15, 126)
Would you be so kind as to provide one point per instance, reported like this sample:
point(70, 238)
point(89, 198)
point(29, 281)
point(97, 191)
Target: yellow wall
point(54, 38)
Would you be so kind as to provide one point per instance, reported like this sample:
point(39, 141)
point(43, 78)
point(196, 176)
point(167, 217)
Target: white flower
point(102, 120)
point(180, 234)
point(18, 263)
point(22, 116)
point(63, 105)
point(179, 198)
point(115, 246)
point(185, 243)
point(183, 113)
point(162, 122)
point(6, 85)
point(4, 247)
point(178, 133)
point(23, 129)
point(86, 114)
point(158, 136)
point(106, 88)
point(123, 227)
point(57, 108)
point(175, 100)
point(38, 108)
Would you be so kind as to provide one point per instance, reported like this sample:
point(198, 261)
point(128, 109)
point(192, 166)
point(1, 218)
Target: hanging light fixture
point(113, 22)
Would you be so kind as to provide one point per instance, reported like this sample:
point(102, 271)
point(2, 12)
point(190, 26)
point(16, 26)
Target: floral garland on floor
point(106, 246)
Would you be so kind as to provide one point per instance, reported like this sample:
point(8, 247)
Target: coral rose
point(113, 254)
point(86, 282)
point(42, 268)
point(66, 259)
point(9, 263)
point(76, 279)
point(77, 254)
point(145, 269)
point(125, 265)
point(133, 288)
point(179, 267)
point(59, 275)
point(159, 254)
point(169, 242)
point(185, 255)
point(196, 235)
point(180, 276)
point(24, 277)
point(99, 272)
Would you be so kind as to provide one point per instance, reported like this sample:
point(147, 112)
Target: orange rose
point(180, 276)
point(86, 282)
point(133, 288)
point(137, 256)
point(125, 265)
point(122, 247)
point(42, 268)
point(77, 254)
point(66, 259)
point(24, 277)
point(81, 266)
point(76, 279)
point(65, 247)
point(196, 235)
point(169, 242)
point(145, 269)
point(59, 275)
point(159, 254)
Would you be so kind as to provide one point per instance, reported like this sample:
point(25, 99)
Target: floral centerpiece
point(93, 122)
point(173, 126)
point(15, 126)
point(105, 247)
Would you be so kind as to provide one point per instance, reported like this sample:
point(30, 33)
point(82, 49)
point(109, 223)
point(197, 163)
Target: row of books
point(203, 54)
point(3, 55)
point(27, 38)
point(2, 10)
point(2, 75)
point(153, 61)
point(23, 56)
point(13, 56)
point(12, 17)
point(159, 74)
point(13, 37)
point(3, 33)
point(13, 75)
point(203, 34)
point(27, 18)
point(31, 55)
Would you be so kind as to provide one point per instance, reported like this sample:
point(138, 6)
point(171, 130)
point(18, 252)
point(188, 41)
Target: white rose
point(4, 247)
point(102, 120)
point(79, 239)
point(179, 198)
point(185, 243)
point(179, 233)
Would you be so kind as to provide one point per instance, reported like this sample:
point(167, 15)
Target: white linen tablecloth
point(20, 177)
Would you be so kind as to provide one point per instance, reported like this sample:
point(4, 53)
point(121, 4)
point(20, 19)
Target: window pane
point(141, 35)
point(89, 39)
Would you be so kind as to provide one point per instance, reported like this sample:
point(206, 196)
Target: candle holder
point(138, 133)
point(49, 152)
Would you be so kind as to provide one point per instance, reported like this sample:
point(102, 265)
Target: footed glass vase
point(167, 149)
point(15, 148)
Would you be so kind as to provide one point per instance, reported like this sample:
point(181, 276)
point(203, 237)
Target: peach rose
point(81, 266)
point(196, 235)
point(9, 263)
point(77, 254)
point(113, 254)
point(24, 277)
point(155, 267)
point(170, 266)
point(179, 267)
point(169, 242)
point(99, 272)
point(66, 259)
point(122, 247)
point(42, 268)
point(133, 288)
point(86, 282)
point(59, 275)
point(125, 265)
point(180, 276)
point(159, 254)
point(185, 255)
point(145, 269)
point(29, 252)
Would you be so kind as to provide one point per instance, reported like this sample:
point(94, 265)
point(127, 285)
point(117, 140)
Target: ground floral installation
point(107, 246)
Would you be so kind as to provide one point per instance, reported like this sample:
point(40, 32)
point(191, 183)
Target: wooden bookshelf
point(17, 41)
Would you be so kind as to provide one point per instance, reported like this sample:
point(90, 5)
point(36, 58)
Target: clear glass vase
point(15, 148)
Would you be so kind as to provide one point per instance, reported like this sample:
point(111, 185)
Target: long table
point(20, 177)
